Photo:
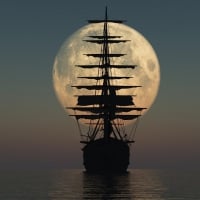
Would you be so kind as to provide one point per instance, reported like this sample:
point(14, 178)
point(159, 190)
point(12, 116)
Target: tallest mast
point(106, 82)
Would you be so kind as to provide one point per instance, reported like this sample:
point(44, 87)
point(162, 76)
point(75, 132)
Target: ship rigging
point(105, 109)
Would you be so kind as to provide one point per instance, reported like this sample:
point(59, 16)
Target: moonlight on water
point(138, 52)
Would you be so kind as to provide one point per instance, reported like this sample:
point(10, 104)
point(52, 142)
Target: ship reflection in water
point(138, 184)
point(106, 186)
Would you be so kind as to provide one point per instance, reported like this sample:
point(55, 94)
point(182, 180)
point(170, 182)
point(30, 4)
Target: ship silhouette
point(106, 144)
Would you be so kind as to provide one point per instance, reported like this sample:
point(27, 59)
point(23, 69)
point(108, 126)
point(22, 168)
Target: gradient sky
point(35, 132)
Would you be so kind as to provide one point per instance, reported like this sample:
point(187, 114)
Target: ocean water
point(137, 184)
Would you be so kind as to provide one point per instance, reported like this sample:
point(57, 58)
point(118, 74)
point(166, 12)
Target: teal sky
point(35, 132)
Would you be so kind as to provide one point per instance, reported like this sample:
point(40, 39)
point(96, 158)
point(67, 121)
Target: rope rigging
point(107, 109)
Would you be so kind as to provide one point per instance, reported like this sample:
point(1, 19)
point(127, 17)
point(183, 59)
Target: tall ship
point(106, 145)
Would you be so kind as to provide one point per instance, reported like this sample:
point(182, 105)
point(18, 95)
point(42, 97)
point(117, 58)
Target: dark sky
point(35, 132)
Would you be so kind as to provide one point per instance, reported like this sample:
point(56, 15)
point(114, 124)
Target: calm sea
point(138, 184)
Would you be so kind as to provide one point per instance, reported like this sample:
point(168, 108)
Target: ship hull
point(109, 155)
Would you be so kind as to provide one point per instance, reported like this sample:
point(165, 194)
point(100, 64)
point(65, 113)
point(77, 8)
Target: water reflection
point(137, 184)
point(77, 185)
point(147, 184)
point(106, 186)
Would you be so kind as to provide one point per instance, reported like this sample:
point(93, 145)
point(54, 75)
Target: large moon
point(138, 52)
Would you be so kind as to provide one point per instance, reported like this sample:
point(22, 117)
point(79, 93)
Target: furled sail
point(110, 66)
point(102, 109)
point(112, 117)
point(100, 87)
point(103, 37)
point(106, 20)
point(100, 55)
point(108, 41)
point(103, 77)
point(121, 100)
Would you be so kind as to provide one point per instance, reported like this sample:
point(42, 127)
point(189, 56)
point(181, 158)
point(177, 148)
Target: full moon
point(138, 52)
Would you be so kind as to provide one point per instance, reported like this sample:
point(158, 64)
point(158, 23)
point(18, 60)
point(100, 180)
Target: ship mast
point(106, 82)
point(106, 107)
